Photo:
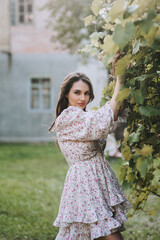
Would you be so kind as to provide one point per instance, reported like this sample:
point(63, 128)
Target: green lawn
point(31, 182)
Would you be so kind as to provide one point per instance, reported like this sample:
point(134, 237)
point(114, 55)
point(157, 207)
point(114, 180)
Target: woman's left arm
point(113, 103)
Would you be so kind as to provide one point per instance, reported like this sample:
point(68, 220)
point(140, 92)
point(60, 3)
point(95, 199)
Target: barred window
point(40, 94)
point(12, 12)
point(21, 11)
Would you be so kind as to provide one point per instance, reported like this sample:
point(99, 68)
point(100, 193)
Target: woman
point(93, 204)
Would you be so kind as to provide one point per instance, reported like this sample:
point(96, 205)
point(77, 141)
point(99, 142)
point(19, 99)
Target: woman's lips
point(81, 104)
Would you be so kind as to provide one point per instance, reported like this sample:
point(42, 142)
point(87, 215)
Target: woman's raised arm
point(113, 103)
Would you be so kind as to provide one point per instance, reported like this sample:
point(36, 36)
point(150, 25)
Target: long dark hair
point(65, 88)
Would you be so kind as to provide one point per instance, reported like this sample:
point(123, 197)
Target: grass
point(31, 182)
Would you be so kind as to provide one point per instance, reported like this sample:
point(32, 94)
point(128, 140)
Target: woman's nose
point(82, 98)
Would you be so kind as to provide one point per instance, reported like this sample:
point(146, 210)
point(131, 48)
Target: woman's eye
point(87, 93)
point(76, 92)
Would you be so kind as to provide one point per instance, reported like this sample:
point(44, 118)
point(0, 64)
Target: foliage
point(31, 182)
point(66, 22)
point(133, 28)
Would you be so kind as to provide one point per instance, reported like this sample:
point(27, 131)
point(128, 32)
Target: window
point(25, 13)
point(40, 94)
point(12, 12)
point(21, 11)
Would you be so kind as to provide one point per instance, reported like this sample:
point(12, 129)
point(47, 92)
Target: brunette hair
point(65, 88)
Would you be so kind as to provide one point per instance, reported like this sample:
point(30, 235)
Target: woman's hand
point(101, 56)
point(118, 54)
point(113, 103)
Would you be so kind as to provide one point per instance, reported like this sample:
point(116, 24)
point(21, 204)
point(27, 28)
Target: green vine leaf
point(123, 94)
point(149, 111)
point(142, 166)
point(123, 35)
point(136, 46)
point(134, 137)
point(145, 77)
point(127, 153)
point(138, 96)
point(122, 64)
point(96, 6)
point(147, 23)
point(117, 9)
point(132, 8)
point(145, 151)
point(109, 47)
point(89, 19)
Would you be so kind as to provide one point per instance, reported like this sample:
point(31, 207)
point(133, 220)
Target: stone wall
point(4, 26)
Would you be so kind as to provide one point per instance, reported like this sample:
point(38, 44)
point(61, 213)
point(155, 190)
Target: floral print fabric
point(93, 203)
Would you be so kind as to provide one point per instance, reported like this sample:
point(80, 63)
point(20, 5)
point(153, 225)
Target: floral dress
point(93, 203)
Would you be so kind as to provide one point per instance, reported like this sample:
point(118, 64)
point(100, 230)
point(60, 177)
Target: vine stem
point(158, 195)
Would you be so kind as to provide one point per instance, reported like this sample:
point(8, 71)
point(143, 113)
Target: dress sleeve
point(77, 125)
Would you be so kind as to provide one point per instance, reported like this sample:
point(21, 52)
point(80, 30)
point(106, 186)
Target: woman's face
point(79, 94)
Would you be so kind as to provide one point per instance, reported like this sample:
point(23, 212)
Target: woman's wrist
point(118, 80)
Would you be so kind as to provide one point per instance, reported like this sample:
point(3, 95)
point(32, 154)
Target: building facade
point(32, 69)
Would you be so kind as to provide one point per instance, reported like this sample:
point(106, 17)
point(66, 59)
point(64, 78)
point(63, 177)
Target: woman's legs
point(113, 236)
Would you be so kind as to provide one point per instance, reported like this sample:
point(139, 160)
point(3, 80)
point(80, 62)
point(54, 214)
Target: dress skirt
point(93, 203)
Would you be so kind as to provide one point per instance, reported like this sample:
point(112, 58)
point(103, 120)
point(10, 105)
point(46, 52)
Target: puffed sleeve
point(77, 125)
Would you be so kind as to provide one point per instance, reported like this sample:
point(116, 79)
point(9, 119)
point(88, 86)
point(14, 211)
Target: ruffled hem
point(91, 199)
point(119, 210)
point(82, 232)
point(86, 231)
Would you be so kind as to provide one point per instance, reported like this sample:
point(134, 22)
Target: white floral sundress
point(93, 203)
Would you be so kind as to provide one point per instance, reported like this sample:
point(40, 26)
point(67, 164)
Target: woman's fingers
point(101, 56)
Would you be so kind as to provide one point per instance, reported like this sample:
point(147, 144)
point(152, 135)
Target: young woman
point(93, 204)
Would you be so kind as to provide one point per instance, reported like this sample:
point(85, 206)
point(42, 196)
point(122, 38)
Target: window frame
point(13, 12)
point(17, 13)
point(41, 108)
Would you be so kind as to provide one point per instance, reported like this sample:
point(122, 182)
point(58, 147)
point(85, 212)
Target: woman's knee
point(113, 236)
